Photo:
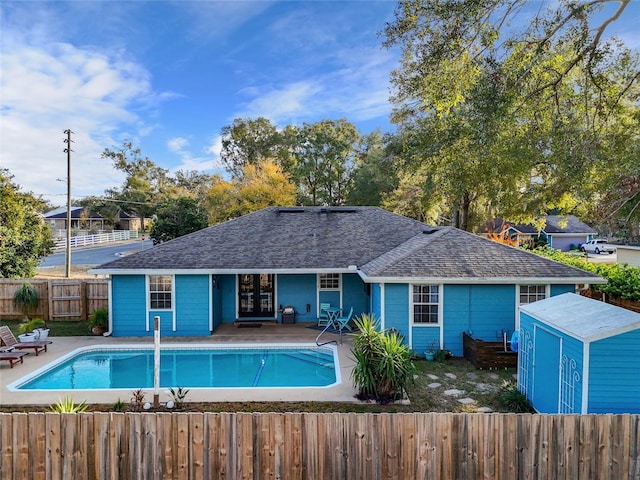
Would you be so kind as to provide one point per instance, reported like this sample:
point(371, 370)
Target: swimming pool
point(190, 366)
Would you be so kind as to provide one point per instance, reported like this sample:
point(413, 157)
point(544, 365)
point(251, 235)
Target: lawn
point(58, 328)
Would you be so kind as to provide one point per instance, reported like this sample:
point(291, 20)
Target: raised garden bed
point(488, 355)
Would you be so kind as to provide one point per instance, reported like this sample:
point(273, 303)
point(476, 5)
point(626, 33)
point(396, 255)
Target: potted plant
point(431, 351)
point(34, 329)
point(98, 321)
point(26, 299)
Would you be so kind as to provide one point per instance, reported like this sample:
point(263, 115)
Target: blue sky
point(169, 75)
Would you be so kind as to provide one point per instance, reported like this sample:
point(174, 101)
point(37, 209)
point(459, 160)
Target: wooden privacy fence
point(318, 446)
point(68, 298)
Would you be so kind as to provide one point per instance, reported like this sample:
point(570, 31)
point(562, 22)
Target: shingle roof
point(567, 224)
point(453, 253)
point(554, 224)
point(313, 238)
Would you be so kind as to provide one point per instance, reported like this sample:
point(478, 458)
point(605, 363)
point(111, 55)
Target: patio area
point(228, 333)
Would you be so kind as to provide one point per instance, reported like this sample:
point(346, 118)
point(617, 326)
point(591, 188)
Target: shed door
point(546, 371)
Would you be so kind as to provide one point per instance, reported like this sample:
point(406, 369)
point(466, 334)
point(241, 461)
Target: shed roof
point(583, 318)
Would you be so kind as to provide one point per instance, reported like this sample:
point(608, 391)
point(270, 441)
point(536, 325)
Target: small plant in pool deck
point(68, 405)
point(178, 395)
point(119, 406)
point(137, 399)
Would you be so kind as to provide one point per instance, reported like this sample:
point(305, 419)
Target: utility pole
point(67, 270)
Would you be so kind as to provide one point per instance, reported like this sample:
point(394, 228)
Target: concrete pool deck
point(226, 334)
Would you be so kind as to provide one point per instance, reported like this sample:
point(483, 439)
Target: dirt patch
point(77, 271)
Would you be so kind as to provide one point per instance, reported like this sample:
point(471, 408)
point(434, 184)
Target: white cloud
point(357, 89)
point(49, 87)
point(177, 144)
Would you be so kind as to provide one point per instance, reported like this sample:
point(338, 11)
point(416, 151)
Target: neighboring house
point(429, 283)
point(562, 232)
point(578, 355)
point(80, 218)
point(124, 221)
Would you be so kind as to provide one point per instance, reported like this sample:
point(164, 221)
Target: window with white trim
point(532, 293)
point(426, 303)
point(160, 287)
point(329, 281)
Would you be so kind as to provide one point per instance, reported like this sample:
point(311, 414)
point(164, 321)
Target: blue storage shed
point(578, 355)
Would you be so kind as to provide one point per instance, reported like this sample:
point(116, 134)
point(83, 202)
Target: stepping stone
point(452, 376)
point(453, 392)
point(472, 375)
point(486, 387)
point(432, 376)
point(515, 376)
point(415, 377)
point(434, 385)
point(494, 376)
point(485, 410)
point(466, 401)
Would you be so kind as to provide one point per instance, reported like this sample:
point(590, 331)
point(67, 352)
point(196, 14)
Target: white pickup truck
point(597, 246)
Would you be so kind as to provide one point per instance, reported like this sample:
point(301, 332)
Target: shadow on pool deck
point(227, 333)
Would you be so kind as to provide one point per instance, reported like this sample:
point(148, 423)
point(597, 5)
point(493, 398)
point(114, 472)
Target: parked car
point(597, 246)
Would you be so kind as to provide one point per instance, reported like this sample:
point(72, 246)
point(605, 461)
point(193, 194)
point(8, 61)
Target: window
point(426, 303)
point(532, 293)
point(160, 292)
point(329, 281)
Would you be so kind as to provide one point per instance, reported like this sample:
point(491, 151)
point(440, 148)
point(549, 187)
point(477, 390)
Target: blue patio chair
point(323, 315)
point(343, 322)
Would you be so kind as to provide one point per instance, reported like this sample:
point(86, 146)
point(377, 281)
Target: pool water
point(132, 368)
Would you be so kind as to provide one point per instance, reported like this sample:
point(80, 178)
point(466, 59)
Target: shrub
point(26, 299)
point(383, 363)
point(68, 405)
point(512, 399)
point(178, 395)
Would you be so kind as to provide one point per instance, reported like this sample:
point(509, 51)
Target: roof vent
point(430, 231)
point(290, 209)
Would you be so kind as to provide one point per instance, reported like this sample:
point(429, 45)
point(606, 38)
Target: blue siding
point(227, 297)
point(614, 367)
point(298, 291)
point(329, 296)
point(396, 307)
point(483, 311)
point(354, 294)
point(560, 289)
point(550, 375)
point(376, 301)
point(423, 336)
point(192, 305)
point(128, 305)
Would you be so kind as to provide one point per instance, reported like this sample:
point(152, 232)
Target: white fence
point(88, 240)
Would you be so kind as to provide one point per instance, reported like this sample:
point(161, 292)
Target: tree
point(146, 183)
point(177, 217)
point(259, 186)
point(248, 142)
point(324, 161)
point(24, 237)
point(444, 42)
point(375, 172)
point(511, 121)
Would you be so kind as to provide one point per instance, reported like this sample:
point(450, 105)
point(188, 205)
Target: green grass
point(58, 328)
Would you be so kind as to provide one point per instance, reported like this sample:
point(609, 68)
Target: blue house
point(578, 355)
point(429, 283)
point(561, 232)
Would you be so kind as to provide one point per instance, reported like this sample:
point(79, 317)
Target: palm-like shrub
point(383, 363)
point(26, 299)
